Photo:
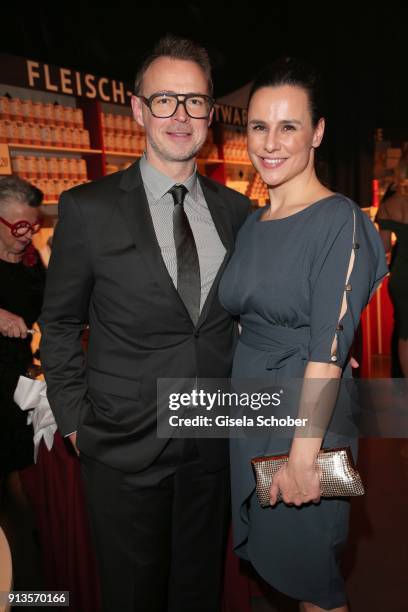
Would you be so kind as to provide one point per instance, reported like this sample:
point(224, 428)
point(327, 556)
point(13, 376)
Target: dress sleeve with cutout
point(348, 266)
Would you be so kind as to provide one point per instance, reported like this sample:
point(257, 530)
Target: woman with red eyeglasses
point(21, 292)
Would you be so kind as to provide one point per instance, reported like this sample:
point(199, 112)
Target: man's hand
point(73, 438)
point(11, 325)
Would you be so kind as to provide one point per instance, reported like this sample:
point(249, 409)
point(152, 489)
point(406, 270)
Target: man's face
point(180, 137)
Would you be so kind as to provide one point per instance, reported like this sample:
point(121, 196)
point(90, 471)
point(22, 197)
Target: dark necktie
point(188, 268)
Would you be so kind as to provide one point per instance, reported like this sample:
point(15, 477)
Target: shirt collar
point(158, 183)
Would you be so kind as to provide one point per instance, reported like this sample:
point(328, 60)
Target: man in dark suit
point(138, 255)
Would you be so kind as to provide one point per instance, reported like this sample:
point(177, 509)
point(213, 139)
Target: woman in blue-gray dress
point(303, 270)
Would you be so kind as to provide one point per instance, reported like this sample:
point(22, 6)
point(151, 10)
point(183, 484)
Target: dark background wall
point(362, 54)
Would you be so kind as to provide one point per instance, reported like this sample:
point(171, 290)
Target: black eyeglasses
point(165, 105)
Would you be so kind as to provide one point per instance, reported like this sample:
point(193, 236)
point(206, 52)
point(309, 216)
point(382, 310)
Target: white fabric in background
point(31, 395)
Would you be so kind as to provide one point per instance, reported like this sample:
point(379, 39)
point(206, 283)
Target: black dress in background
point(398, 284)
point(21, 292)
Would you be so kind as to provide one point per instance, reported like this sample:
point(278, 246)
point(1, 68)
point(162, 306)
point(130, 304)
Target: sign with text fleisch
point(45, 77)
point(32, 74)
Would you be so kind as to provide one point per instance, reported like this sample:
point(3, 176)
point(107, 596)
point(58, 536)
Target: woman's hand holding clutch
point(296, 485)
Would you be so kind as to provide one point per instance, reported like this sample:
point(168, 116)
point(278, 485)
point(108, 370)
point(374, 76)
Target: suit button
point(196, 334)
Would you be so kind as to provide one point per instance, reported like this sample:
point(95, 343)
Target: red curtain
point(54, 488)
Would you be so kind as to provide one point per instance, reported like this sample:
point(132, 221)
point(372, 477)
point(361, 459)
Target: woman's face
point(13, 212)
point(281, 137)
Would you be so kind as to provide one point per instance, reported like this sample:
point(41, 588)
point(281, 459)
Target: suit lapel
point(218, 212)
point(135, 209)
point(223, 226)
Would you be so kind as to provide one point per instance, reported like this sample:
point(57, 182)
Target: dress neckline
point(296, 214)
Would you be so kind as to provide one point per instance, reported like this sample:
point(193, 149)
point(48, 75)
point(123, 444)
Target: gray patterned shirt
point(211, 251)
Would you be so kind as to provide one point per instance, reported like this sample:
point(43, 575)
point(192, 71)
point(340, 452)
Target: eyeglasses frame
point(148, 102)
point(22, 223)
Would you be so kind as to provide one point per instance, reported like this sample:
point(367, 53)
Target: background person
point(22, 280)
point(393, 217)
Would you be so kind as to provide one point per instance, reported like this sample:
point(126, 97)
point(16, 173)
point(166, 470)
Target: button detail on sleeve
point(333, 358)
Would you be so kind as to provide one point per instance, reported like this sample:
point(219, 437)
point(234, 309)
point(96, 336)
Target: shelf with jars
point(235, 146)
point(257, 190)
point(24, 123)
point(48, 141)
point(122, 136)
point(51, 174)
point(57, 140)
point(237, 168)
point(52, 149)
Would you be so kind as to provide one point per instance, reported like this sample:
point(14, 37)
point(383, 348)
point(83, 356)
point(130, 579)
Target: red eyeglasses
point(21, 228)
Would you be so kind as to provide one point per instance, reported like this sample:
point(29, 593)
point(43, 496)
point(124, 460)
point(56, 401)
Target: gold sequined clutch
point(338, 474)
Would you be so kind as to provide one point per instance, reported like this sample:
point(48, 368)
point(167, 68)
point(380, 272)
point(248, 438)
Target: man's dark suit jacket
point(106, 269)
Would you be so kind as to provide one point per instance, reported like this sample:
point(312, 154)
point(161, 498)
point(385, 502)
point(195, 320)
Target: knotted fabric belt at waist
point(280, 343)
